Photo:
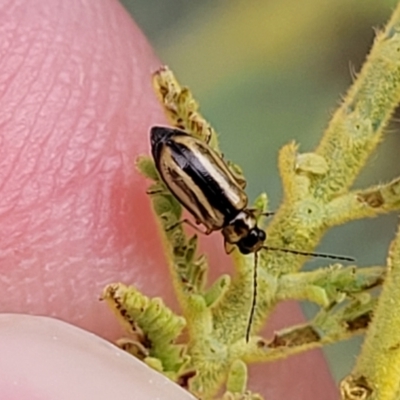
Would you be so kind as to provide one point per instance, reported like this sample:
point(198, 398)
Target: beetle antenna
point(255, 271)
point(254, 300)
point(268, 214)
point(306, 253)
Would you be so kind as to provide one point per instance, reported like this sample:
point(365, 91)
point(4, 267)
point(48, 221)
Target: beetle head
point(253, 241)
point(243, 232)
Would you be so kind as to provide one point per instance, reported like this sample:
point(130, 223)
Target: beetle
point(204, 184)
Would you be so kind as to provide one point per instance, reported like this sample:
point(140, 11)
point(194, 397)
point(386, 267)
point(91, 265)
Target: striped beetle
point(203, 183)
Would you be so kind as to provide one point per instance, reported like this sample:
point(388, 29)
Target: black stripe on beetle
point(203, 183)
point(198, 177)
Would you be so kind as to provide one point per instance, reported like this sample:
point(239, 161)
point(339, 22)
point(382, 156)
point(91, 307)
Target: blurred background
point(269, 72)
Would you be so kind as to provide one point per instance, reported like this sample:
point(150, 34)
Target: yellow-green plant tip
point(237, 172)
point(311, 163)
point(181, 108)
point(165, 208)
point(261, 202)
point(166, 204)
point(196, 303)
point(154, 363)
point(156, 325)
point(217, 290)
point(329, 285)
point(147, 168)
point(191, 249)
point(237, 377)
point(197, 273)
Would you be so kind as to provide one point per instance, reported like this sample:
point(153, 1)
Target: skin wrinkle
point(80, 126)
point(37, 156)
point(81, 132)
point(4, 68)
point(10, 23)
point(96, 166)
point(86, 153)
point(17, 156)
point(77, 126)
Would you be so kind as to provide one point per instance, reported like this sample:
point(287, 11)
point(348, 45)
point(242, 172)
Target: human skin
point(76, 104)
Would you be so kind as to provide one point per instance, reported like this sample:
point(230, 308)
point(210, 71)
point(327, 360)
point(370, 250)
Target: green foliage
point(316, 198)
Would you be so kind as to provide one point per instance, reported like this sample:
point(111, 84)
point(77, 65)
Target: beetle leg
point(268, 214)
point(157, 188)
point(256, 213)
point(229, 247)
point(190, 223)
point(155, 191)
